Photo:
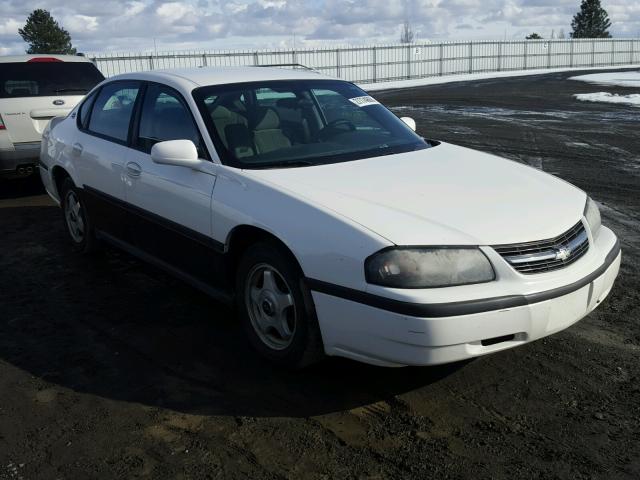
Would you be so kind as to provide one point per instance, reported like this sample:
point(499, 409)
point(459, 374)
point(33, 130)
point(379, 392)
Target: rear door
point(170, 205)
point(100, 151)
point(33, 92)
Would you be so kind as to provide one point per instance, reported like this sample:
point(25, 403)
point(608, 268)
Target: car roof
point(190, 78)
point(26, 58)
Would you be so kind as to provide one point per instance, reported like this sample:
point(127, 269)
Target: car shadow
point(111, 326)
point(21, 187)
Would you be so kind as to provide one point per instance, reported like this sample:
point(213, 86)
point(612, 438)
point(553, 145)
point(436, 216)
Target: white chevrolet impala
point(331, 225)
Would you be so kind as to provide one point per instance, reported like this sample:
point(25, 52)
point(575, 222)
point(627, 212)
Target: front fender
point(328, 246)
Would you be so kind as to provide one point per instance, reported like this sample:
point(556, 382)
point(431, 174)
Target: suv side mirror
point(411, 123)
point(181, 153)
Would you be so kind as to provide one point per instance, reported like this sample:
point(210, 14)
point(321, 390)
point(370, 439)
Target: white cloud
point(131, 25)
point(10, 27)
point(80, 24)
point(134, 8)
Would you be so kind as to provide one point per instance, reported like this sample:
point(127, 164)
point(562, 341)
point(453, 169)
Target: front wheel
point(76, 218)
point(276, 308)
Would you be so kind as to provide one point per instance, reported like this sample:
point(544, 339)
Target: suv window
point(112, 110)
point(164, 116)
point(42, 79)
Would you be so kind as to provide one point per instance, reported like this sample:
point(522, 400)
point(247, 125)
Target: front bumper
point(395, 334)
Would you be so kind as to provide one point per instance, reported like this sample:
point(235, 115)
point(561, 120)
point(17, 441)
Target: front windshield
point(299, 123)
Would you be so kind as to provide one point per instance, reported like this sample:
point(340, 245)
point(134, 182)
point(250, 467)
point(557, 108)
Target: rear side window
point(111, 113)
point(85, 109)
point(45, 79)
point(165, 117)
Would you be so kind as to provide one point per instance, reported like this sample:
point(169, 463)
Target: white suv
point(332, 226)
point(33, 90)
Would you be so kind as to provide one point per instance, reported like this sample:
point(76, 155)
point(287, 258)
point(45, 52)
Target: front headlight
point(592, 214)
point(415, 267)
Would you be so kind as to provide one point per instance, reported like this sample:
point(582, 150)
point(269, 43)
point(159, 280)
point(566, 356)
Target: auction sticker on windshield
point(364, 101)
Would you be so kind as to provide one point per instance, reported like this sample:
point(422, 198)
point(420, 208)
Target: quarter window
point(112, 111)
point(83, 112)
point(165, 117)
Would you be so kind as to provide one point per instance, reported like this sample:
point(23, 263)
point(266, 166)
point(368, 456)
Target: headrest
point(220, 112)
point(266, 119)
point(21, 91)
point(291, 103)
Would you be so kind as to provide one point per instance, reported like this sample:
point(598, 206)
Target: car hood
point(445, 195)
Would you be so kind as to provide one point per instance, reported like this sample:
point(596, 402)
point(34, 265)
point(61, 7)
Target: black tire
point(304, 346)
point(84, 241)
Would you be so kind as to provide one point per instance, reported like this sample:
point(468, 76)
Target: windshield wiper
point(71, 89)
point(284, 163)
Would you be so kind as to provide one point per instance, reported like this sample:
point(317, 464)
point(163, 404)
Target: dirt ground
point(110, 369)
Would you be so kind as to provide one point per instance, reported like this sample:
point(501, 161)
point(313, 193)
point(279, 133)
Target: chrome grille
point(547, 255)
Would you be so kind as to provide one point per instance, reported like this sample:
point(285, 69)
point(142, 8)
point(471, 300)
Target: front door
point(170, 206)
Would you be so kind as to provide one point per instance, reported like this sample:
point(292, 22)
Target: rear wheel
point(76, 219)
point(276, 308)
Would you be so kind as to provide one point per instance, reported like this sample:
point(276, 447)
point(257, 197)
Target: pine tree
point(592, 21)
point(533, 36)
point(44, 35)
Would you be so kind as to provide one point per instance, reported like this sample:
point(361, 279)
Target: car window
point(111, 113)
point(52, 78)
point(164, 116)
point(85, 108)
point(336, 107)
point(300, 122)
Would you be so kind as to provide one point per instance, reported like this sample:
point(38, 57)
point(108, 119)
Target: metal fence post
point(499, 56)
point(470, 57)
point(613, 52)
point(338, 62)
point(408, 61)
point(204, 59)
point(549, 54)
point(571, 54)
point(526, 51)
point(256, 60)
point(375, 64)
point(441, 49)
point(150, 62)
point(593, 53)
point(631, 53)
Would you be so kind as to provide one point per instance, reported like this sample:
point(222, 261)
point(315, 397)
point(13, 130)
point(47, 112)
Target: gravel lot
point(110, 369)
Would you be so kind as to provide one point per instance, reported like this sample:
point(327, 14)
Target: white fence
point(380, 63)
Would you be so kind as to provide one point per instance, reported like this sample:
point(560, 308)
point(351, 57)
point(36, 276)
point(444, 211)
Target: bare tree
point(406, 35)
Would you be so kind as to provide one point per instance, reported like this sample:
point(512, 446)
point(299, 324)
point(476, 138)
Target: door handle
point(77, 149)
point(133, 169)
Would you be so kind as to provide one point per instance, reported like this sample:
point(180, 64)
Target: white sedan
point(332, 226)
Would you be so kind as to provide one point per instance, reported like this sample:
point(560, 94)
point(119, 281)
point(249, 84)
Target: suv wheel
point(276, 307)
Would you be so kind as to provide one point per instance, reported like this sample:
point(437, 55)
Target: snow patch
point(435, 80)
point(606, 97)
point(618, 79)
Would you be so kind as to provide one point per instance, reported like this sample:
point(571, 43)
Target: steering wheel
point(334, 127)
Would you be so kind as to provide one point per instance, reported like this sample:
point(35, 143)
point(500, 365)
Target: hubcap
point(271, 306)
point(73, 216)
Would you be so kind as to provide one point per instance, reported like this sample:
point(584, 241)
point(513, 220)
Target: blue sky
point(132, 25)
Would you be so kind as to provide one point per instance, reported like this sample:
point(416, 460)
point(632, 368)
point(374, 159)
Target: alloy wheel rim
point(271, 306)
point(73, 216)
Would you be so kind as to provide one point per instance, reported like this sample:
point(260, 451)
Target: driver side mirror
point(411, 123)
point(181, 153)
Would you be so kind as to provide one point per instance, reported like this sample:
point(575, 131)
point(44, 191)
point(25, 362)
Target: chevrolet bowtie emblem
point(562, 253)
